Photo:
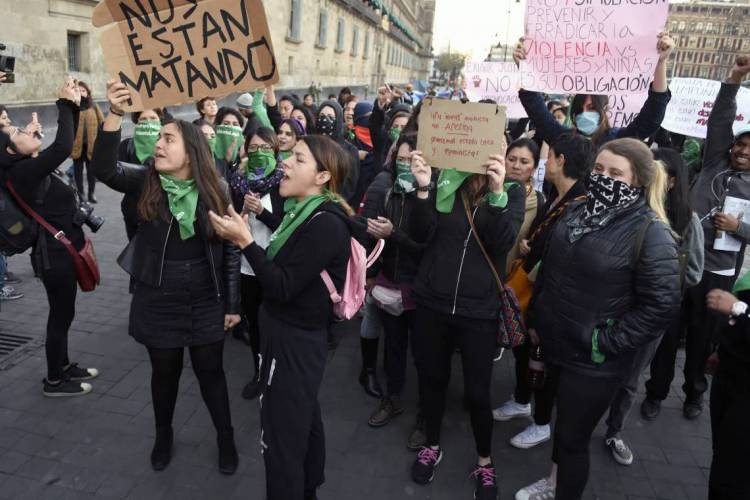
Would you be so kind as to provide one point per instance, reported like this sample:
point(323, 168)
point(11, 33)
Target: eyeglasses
point(254, 148)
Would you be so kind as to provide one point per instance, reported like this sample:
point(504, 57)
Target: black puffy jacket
point(594, 279)
point(454, 277)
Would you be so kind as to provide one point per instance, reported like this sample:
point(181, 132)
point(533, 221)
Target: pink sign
point(498, 81)
point(592, 46)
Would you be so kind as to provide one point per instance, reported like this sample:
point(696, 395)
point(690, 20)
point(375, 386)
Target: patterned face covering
point(605, 192)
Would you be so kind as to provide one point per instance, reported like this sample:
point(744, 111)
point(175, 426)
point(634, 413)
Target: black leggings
point(61, 286)
point(544, 398)
point(434, 341)
point(78, 172)
point(207, 360)
point(252, 296)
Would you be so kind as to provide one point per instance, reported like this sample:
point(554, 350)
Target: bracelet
point(428, 187)
point(118, 113)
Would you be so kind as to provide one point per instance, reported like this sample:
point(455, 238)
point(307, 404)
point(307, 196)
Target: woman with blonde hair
point(609, 284)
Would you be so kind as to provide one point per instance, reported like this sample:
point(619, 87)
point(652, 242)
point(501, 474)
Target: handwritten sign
point(460, 136)
point(498, 81)
point(178, 51)
point(691, 105)
point(624, 108)
point(592, 46)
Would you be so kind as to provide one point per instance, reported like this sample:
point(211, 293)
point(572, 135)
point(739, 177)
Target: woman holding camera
point(185, 279)
point(36, 179)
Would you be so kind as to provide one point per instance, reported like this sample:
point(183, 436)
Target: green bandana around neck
point(182, 196)
point(405, 181)
point(226, 135)
point(260, 159)
point(394, 133)
point(449, 182)
point(144, 137)
point(742, 284)
point(285, 154)
point(295, 213)
point(212, 145)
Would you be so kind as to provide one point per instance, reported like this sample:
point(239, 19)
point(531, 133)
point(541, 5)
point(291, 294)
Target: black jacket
point(129, 203)
point(454, 277)
point(594, 279)
point(734, 345)
point(399, 261)
point(143, 258)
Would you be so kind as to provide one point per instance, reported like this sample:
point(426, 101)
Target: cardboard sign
point(460, 136)
point(498, 81)
point(691, 105)
point(178, 51)
point(591, 46)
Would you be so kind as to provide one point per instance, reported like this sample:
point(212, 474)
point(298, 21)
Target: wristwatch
point(428, 187)
point(738, 309)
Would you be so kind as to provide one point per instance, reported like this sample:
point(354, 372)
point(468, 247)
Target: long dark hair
point(310, 128)
point(89, 99)
point(268, 136)
point(529, 144)
point(152, 204)
point(330, 157)
point(678, 202)
point(600, 104)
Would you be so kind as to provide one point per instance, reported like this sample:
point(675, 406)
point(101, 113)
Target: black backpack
point(18, 231)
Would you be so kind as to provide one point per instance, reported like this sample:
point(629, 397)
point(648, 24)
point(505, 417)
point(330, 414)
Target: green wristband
point(596, 356)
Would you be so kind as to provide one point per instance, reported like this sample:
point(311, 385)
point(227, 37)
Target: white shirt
point(261, 233)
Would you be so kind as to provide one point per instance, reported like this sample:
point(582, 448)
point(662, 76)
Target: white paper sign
point(736, 207)
point(498, 81)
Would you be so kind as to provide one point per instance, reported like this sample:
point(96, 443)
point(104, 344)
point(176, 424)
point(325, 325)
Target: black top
point(179, 249)
point(293, 291)
point(734, 344)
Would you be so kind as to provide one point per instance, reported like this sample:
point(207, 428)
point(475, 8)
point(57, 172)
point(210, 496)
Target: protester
point(589, 112)
point(409, 97)
point(456, 298)
point(343, 96)
point(309, 104)
point(725, 161)
point(209, 132)
point(229, 141)
point(362, 141)
point(387, 121)
point(286, 105)
point(303, 115)
point(608, 285)
point(255, 191)
point(207, 109)
point(252, 109)
point(330, 122)
point(185, 278)
point(90, 119)
point(34, 175)
point(314, 235)
point(349, 104)
point(289, 132)
point(569, 162)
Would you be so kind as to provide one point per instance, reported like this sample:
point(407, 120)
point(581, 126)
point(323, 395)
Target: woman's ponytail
point(656, 191)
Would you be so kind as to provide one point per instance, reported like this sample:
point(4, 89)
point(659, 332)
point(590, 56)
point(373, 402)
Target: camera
point(8, 66)
point(85, 215)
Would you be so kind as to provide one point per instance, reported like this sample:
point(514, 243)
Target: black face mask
point(326, 125)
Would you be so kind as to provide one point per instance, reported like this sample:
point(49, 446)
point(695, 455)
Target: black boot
point(228, 458)
point(92, 198)
point(368, 378)
point(162, 452)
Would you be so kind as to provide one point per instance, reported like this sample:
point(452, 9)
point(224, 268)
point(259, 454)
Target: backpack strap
point(640, 238)
point(470, 217)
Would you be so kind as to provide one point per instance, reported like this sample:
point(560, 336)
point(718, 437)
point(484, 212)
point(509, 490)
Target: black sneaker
point(692, 409)
point(650, 408)
point(389, 408)
point(423, 468)
point(418, 437)
point(486, 482)
point(66, 388)
point(77, 374)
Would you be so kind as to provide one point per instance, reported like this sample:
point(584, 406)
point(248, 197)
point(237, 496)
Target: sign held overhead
point(172, 52)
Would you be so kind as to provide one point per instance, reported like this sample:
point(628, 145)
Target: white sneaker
point(531, 436)
point(510, 409)
point(620, 450)
point(541, 490)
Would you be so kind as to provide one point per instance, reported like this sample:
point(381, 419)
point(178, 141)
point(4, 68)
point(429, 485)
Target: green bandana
point(212, 145)
point(295, 213)
point(260, 160)
point(394, 133)
point(742, 284)
point(285, 154)
point(183, 200)
point(691, 153)
point(350, 134)
point(226, 136)
point(405, 181)
point(144, 137)
point(449, 182)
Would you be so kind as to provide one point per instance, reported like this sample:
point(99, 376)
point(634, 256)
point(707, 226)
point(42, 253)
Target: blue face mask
point(587, 122)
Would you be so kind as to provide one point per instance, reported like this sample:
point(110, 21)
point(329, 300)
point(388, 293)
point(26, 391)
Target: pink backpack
point(346, 304)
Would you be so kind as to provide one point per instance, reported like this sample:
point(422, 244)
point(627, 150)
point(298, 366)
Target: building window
point(682, 25)
point(340, 35)
point(366, 49)
point(290, 66)
point(709, 27)
point(355, 40)
point(699, 26)
point(295, 19)
point(322, 28)
point(74, 52)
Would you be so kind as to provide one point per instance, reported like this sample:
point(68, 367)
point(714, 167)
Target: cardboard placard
point(178, 51)
point(592, 46)
point(691, 104)
point(460, 136)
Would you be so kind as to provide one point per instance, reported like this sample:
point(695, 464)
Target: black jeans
point(252, 296)
point(544, 398)
point(208, 366)
point(582, 400)
point(61, 286)
point(396, 330)
point(730, 407)
point(78, 172)
point(662, 366)
point(434, 340)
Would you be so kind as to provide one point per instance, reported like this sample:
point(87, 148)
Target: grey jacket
point(692, 246)
point(717, 179)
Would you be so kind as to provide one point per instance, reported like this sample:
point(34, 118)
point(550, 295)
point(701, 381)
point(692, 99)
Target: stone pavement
point(98, 445)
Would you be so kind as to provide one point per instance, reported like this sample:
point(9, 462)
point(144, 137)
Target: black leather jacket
point(143, 258)
point(596, 278)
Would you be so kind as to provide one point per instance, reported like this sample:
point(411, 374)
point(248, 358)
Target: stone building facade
point(709, 36)
point(332, 43)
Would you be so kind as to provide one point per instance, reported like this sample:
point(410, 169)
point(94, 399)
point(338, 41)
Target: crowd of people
point(242, 220)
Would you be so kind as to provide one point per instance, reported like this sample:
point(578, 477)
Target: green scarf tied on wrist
point(228, 137)
point(449, 182)
point(144, 138)
point(285, 154)
point(405, 181)
point(260, 160)
point(182, 196)
point(295, 213)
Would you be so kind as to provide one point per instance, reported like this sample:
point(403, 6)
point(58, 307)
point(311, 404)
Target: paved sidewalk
point(98, 445)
